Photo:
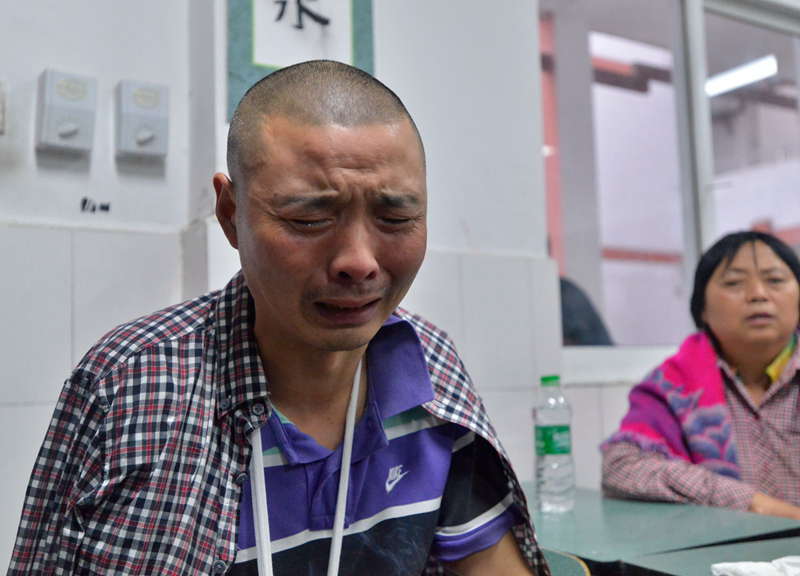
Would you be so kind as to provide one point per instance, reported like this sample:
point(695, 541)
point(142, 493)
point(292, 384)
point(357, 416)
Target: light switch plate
point(142, 123)
point(65, 111)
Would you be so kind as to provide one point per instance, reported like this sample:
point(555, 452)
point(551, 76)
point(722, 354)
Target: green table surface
point(698, 561)
point(563, 564)
point(607, 530)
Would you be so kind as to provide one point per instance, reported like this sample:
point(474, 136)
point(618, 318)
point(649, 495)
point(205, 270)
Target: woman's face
point(753, 300)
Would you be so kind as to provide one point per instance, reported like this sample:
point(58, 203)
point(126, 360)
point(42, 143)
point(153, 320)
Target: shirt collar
point(397, 369)
point(239, 374)
point(782, 367)
point(789, 365)
point(775, 369)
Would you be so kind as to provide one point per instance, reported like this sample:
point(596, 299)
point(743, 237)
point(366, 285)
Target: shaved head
point(317, 93)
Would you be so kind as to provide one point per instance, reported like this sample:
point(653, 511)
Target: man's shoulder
point(132, 338)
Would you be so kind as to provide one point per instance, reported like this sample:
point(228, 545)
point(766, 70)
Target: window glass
point(755, 126)
point(615, 215)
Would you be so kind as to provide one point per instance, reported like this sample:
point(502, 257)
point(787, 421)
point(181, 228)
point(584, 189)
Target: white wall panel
point(223, 259)
point(118, 277)
point(587, 426)
point(35, 305)
point(436, 293)
point(614, 401)
point(511, 414)
point(498, 346)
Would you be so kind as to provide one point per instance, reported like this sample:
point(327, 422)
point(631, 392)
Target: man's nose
point(354, 258)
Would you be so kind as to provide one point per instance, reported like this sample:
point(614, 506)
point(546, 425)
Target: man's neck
point(312, 389)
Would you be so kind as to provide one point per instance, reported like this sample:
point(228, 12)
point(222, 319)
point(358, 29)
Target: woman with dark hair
point(718, 423)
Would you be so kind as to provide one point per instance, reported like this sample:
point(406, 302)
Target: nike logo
point(396, 474)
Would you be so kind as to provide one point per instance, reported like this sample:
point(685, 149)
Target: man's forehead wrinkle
point(259, 199)
point(268, 128)
point(336, 145)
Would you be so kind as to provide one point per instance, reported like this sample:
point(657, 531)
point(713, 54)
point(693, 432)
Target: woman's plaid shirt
point(141, 467)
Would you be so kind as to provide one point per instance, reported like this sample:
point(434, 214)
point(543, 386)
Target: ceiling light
point(742, 75)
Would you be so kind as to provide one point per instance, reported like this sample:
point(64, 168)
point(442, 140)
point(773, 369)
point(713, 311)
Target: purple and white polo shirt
point(419, 486)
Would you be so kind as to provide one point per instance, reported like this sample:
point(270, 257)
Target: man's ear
point(226, 207)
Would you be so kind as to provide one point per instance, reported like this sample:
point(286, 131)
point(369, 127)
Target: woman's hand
point(763, 504)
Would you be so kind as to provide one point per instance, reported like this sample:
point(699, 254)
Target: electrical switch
point(68, 129)
point(65, 111)
point(145, 136)
point(142, 119)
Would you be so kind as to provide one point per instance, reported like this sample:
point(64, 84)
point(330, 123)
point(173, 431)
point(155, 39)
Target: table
point(604, 531)
point(563, 564)
point(698, 561)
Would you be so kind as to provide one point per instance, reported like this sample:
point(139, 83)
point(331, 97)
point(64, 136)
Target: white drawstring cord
point(259, 491)
point(260, 512)
point(344, 477)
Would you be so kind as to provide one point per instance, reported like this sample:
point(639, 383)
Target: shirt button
point(240, 478)
point(220, 567)
point(258, 409)
point(225, 403)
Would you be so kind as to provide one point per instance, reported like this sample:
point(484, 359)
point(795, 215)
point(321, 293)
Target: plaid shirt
point(141, 468)
point(767, 450)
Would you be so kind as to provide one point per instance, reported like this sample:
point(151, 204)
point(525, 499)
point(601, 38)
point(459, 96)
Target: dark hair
point(724, 250)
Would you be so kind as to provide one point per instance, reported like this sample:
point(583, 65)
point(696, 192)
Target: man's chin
point(346, 339)
point(344, 343)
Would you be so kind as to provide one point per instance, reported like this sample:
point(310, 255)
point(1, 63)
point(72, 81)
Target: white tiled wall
point(119, 276)
point(510, 411)
point(223, 260)
point(498, 346)
point(587, 426)
point(440, 274)
point(35, 308)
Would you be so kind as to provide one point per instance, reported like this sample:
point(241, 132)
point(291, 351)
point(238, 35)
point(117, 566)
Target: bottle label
point(553, 440)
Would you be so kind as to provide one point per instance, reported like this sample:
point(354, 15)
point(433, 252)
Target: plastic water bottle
point(555, 470)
